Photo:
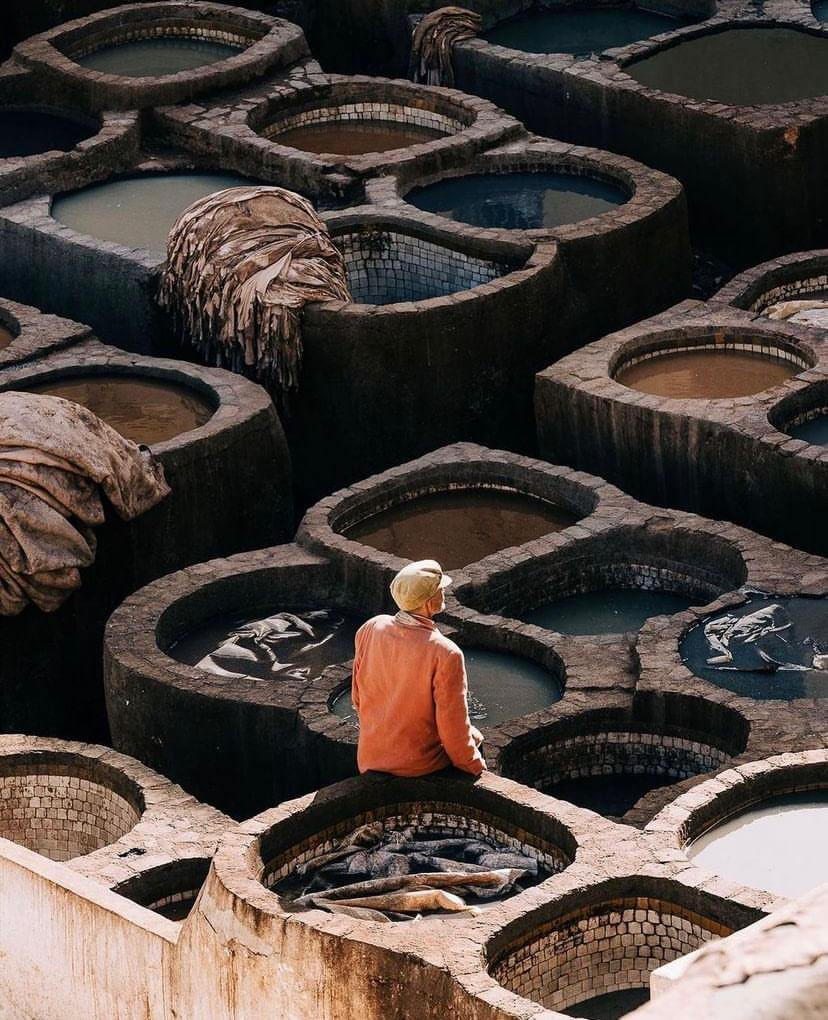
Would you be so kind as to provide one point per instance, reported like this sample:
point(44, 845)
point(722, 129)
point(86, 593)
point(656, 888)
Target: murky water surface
point(354, 138)
point(609, 611)
point(707, 374)
point(153, 58)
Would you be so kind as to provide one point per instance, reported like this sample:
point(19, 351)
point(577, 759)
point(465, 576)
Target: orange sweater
point(409, 690)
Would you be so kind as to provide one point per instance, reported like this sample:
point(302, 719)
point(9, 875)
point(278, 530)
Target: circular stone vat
point(771, 648)
point(777, 845)
point(425, 811)
point(580, 32)
point(460, 526)
point(709, 367)
point(386, 265)
point(138, 211)
point(156, 57)
point(143, 408)
point(740, 66)
point(606, 763)
point(609, 611)
point(169, 889)
point(63, 806)
point(502, 686)
point(804, 415)
point(284, 645)
point(532, 200)
point(30, 130)
point(595, 959)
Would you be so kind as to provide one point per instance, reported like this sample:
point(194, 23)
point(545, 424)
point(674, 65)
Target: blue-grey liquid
point(137, 212)
point(154, 58)
point(820, 10)
point(814, 431)
point(808, 634)
point(611, 1005)
point(517, 201)
point(580, 32)
point(609, 611)
point(741, 67)
point(501, 687)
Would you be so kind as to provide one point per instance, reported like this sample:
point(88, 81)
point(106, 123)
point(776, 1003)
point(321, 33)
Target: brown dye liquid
point(355, 138)
point(143, 411)
point(461, 527)
point(6, 337)
point(707, 374)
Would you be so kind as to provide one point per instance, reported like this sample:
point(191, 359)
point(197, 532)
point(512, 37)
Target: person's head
point(420, 588)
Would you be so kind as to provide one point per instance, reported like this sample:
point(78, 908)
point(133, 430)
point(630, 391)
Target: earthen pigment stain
point(580, 32)
point(143, 409)
point(740, 66)
point(460, 527)
point(154, 58)
point(283, 645)
point(609, 611)
point(518, 201)
point(137, 212)
point(708, 374)
point(27, 132)
point(501, 687)
point(778, 845)
point(355, 138)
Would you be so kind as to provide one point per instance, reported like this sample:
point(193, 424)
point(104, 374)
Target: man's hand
point(477, 736)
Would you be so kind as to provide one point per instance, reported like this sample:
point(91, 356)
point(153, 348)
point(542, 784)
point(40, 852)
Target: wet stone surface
point(580, 32)
point(26, 132)
point(769, 648)
point(707, 374)
point(518, 201)
point(501, 687)
point(610, 611)
point(137, 211)
point(142, 409)
point(740, 66)
point(153, 58)
point(297, 644)
point(354, 138)
point(461, 526)
point(778, 845)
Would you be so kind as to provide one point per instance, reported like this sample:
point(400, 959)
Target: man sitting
point(409, 685)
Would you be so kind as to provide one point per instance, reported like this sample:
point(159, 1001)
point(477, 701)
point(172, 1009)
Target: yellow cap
point(417, 583)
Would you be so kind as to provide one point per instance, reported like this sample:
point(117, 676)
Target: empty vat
point(769, 648)
point(154, 58)
point(168, 889)
point(609, 611)
point(518, 201)
point(580, 32)
point(139, 211)
point(777, 845)
point(740, 66)
point(295, 644)
point(460, 526)
point(501, 687)
point(27, 131)
point(144, 409)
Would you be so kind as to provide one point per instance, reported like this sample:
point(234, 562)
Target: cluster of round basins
point(345, 120)
point(64, 807)
point(709, 365)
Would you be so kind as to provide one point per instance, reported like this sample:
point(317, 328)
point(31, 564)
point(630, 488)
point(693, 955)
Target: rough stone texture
point(35, 334)
point(221, 501)
point(723, 458)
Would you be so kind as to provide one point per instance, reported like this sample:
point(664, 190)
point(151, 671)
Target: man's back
point(409, 689)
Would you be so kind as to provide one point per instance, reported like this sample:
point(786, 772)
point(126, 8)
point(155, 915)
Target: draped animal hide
point(241, 265)
point(56, 459)
point(434, 38)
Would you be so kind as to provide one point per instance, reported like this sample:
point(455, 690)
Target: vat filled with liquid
point(708, 374)
point(501, 687)
point(154, 58)
point(814, 430)
point(142, 408)
point(460, 526)
point(518, 201)
point(740, 66)
point(354, 137)
point(769, 648)
point(137, 212)
point(296, 644)
point(777, 845)
point(580, 32)
point(27, 131)
point(608, 611)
